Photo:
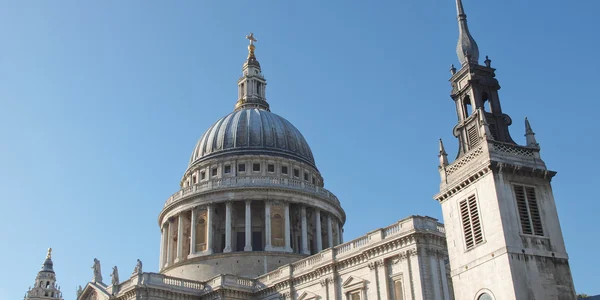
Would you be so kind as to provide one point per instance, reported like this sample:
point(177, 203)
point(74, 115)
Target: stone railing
point(253, 181)
point(402, 227)
point(464, 160)
point(162, 280)
point(513, 150)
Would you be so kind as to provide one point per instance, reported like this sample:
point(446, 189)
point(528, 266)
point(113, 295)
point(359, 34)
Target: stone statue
point(138, 268)
point(97, 271)
point(115, 276)
point(79, 291)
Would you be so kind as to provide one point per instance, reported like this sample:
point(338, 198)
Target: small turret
point(443, 156)
point(530, 136)
point(45, 286)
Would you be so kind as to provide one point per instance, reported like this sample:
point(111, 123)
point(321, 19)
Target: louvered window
point(473, 136)
point(471, 223)
point(529, 211)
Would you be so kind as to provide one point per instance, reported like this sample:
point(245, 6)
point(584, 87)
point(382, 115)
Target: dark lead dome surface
point(252, 131)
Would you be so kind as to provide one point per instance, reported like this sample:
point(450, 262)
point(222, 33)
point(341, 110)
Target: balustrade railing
point(253, 181)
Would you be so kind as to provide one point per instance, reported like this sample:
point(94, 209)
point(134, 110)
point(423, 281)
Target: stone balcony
point(253, 182)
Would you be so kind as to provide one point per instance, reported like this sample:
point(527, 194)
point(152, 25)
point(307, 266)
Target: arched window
point(398, 293)
point(277, 231)
point(41, 282)
point(485, 102)
point(467, 106)
point(485, 296)
point(47, 284)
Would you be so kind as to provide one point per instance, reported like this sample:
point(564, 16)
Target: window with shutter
point(473, 136)
point(529, 212)
point(471, 223)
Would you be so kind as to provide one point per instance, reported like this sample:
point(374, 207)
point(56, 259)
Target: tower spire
point(252, 84)
point(467, 49)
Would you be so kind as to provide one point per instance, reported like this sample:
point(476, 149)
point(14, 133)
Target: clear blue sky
point(102, 102)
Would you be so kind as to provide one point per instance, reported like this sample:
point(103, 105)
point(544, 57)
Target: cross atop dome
point(251, 38)
point(251, 47)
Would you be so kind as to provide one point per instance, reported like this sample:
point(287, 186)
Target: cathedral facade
point(253, 220)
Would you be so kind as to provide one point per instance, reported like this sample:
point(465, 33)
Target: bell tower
point(502, 228)
point(45, 287)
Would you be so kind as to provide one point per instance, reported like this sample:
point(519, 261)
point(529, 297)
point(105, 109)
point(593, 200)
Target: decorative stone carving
point(138, 268)
point(115, 276)
point(97, 271)
point(79, 291)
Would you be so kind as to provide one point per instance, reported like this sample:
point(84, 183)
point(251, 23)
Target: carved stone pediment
point(94, 291)
point(308, 296)
point(354, 282)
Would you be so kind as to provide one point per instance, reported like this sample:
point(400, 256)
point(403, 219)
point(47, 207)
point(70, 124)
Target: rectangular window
point(355, 295)
point(194, 179)
point(256, 167)
point(314, 180)
point(227, 169)
point(473, 136)
point(471, 224)
point(529, 212)
point(296, 173)
point(306, 176)
point(202, 175)
point(271, 168)
point(242, 167)
point(284, 170)
point(213, 171)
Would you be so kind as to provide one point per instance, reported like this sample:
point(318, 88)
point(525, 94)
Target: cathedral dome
point(252, 131)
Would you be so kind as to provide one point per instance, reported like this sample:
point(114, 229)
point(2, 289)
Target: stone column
point(227, 227)
point(286, 210)
point(318, 233)
point(435, 274)
point(329, 232)
point(161, 261)
point(445, 289)
point(248, 246)
point(209, 229)
point(268, 246)
point(304, 231)
point(193, 231)
point(169, 243)
point(179, 238)
point(338, 228)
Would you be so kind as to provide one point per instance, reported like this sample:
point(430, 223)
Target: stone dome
point(252, 131)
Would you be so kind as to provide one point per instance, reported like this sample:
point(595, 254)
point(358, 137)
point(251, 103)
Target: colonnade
point(279, 226)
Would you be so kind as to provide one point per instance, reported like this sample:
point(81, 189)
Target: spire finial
point(530, 135)
point(443, 155)
point(466, 49)
point(49, 255)
point(251, 47)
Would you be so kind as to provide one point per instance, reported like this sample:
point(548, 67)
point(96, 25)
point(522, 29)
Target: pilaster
point(248, 227)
